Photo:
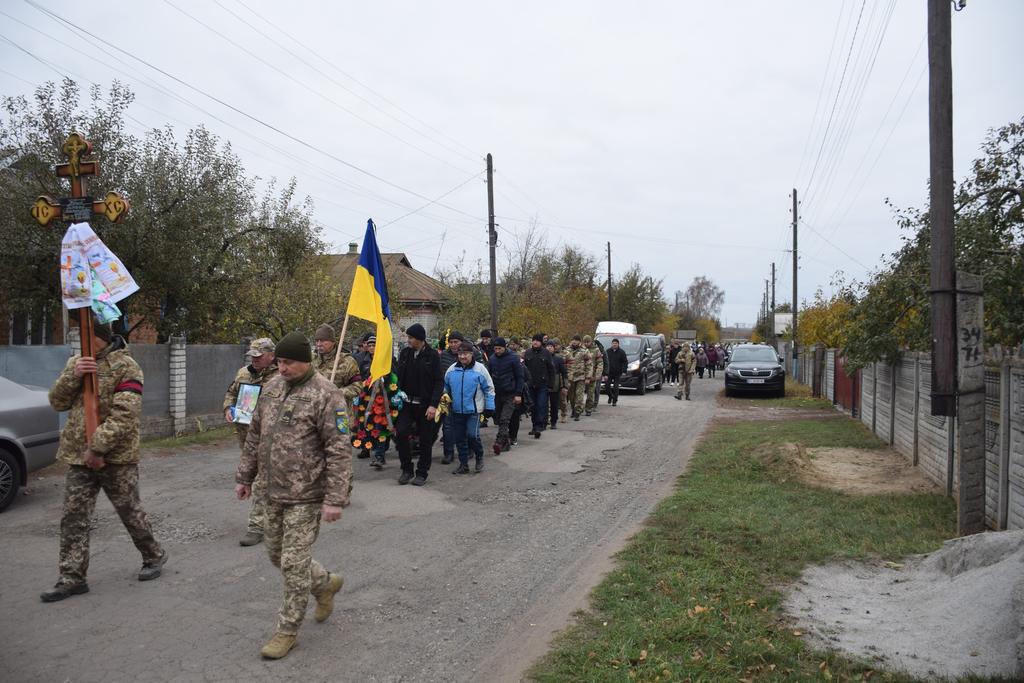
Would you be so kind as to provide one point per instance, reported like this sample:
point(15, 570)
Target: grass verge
point(193, 439)
point(695, 595)
point(797, 396)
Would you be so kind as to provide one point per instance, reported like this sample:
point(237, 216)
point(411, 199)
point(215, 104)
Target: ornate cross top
point(79, 207)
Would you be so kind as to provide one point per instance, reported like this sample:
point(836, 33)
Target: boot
point(405, 478)
point(152, 568)
point(251, 538)
point(278, 646)
point(447, 459)
point(325, 600)
point(64, 590)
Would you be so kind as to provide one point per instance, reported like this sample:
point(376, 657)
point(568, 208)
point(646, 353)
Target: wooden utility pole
point(796, 222)
point(492, 242)
point(943, 266)
point(609, 280)
point(79, 208)
point(774, 340)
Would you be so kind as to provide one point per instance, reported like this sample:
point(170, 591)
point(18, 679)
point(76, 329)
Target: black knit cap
point(500, 341)
point(416, 331)
point(538, 337)
point(456, 336)
point(294, 346)
point(485, 334)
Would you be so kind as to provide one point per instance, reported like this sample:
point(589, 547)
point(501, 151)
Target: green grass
point(695, 595)
point(797, 396)
point(194, 439)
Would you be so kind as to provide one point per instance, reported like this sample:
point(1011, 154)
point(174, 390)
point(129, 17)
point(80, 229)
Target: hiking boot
point(151, 569)
point(325, 600)
point(447, 459)
point(461, 469)
point(405, 478)
point(420, 480)
point(278, 646)
point(479, 466)
point(64, 590)
point(687, 398)
point(251, 538)
point(589, 413)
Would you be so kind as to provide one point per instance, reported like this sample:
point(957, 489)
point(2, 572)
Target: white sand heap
point(957, 611)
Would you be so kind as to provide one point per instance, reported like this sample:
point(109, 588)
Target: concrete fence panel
point(905, 424)
point(36, 366)
point(867, 396)
point(153, 359)
point(210, 369)
point(1015, 413)
point(883, 402)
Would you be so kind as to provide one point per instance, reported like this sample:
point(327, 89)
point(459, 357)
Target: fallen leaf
point(697, 655)
point(643, 655)
point(698, 609)
point(798, 633)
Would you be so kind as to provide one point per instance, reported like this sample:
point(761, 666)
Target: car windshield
point(631, 345)
point(760, 354)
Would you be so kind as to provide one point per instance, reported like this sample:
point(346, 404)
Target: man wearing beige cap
point(261, 369)
point(347, 377)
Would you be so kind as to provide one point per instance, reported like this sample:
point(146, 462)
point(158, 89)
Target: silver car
point(29, 435)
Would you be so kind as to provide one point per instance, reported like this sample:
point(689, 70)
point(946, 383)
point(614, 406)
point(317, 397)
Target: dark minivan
point(755, 367)
point(645, 356)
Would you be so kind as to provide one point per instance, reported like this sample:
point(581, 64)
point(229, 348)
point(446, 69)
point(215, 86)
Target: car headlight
point(634, 366)
point(732, 371)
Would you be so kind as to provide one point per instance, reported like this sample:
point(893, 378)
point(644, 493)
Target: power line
point(434, 201)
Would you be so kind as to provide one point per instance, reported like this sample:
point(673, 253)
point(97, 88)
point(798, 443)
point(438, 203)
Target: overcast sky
point(674, 130)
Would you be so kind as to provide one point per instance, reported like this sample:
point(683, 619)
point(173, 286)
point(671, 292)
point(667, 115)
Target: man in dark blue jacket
point(559, 382)
point(419, 376)
point(507, 375)
point(541, 369)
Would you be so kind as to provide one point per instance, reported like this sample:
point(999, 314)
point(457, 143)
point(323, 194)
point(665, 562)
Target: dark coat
point(561, 377)
point(540, 365)
point(420, 376)
point(617, 362)
point(507, 373)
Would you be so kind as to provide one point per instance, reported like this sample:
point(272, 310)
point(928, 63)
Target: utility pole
point(609, 280)
point(943, 277)
point(795, 268)
point(492, 241)
point(772, 328)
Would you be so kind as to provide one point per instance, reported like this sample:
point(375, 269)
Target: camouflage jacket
point(578, 363)
point(347, 378)
point(248, 375)
point(686, 359)
point(119, 380)
point(596, 361)
point(295, 440)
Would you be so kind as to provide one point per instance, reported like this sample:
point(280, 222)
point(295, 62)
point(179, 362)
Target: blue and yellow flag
point(369, 301)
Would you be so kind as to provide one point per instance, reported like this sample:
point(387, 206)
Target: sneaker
point(420, 480)
point(152, 569)
point(280, 645)
point(479, 466)
point(64, 590)
point(325, 600)
point(513, 443)
point(405, 478)
point(461, 469)
point(251, 538)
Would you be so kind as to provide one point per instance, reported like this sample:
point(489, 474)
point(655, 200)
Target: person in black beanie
point(420, 377)
point(541, 369)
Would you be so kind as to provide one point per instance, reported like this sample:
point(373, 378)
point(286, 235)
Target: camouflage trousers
point(577, 396)
point(257, 515)
point(81, 487)
point(289, 533)
point(684, 383)
point(593, 394)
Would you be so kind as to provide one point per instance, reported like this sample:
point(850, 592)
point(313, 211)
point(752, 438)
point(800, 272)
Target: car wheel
point(781, 393)
point(10, 477)
point(641, 385)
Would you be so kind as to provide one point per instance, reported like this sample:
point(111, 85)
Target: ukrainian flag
point(369, 301)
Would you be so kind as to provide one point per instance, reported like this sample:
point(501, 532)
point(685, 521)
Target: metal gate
point(847, 387)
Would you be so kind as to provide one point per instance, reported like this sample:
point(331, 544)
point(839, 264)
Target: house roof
point(406, 284)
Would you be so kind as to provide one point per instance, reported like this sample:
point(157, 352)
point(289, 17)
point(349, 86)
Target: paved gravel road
point(464, 579)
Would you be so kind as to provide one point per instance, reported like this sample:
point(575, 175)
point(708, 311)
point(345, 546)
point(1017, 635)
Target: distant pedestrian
point(617, 362)
point(702, 362)
point(593, 387)
point(469, 385)
point(558, 386)
point(686, 361)
point(712, 356)
point(449, 357)
point(577, 363)
point(673, 369)
point(419, 376)
point(508, 378)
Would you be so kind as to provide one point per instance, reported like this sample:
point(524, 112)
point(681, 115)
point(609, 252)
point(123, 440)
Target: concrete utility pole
point(943, 259)
point(492, 241)
point(609, 280)
point(795, 268)
point(772, 328)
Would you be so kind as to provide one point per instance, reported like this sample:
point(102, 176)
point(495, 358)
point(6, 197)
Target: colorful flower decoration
point(376, 406)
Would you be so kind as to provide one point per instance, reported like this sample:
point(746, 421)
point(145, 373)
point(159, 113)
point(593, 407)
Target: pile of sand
point(858, 471)
point(957, 611)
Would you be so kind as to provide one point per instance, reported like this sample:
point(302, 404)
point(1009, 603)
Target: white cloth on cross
point(85, 260)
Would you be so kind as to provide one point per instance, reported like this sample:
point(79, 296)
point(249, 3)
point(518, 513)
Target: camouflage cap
point(587, 339)
point(260, 346)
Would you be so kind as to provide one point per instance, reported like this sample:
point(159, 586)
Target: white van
point(614, 327)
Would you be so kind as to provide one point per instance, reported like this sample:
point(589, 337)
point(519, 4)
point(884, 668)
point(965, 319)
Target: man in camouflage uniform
point(347, 378)
point(261, 369)
point(686, 361)
point(109, 461)
point(295, 439)
point(563, 399)
point(578, 365)
point(596, 373)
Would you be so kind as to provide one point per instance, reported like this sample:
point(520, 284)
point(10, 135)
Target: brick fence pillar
point(177, 389)
point(74, 341)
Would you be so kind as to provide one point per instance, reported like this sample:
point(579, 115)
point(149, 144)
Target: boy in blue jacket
point(469, 385)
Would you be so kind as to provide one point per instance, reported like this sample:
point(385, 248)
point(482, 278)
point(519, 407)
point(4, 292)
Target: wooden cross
point(79, 208)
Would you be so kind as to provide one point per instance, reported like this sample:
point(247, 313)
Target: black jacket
point(617, 362)
point(420, 376)
point(507, 373)
point(540, 365)
point(561, 377)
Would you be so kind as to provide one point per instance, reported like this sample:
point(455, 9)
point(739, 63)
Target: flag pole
point(337, 354)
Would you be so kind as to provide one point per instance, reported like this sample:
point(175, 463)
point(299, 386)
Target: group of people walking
point(290, 406)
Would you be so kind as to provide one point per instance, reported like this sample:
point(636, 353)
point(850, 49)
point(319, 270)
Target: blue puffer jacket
point(471, 389)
